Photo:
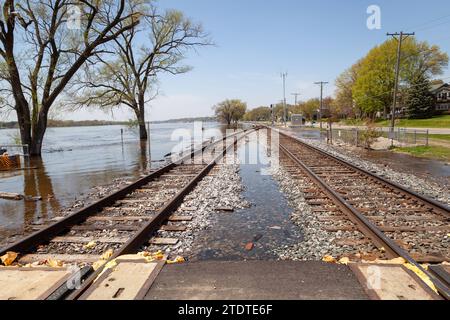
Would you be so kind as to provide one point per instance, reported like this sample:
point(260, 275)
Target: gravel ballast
point(410, 181)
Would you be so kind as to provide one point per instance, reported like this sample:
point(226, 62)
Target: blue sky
point(256, 40)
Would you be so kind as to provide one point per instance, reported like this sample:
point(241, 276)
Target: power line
point(417, 27)
point(321, 83)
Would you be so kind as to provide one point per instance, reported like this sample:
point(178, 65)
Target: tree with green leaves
point(44, 43)
point(373, 89)
point(129, 78)
point(230, 111)
point(259, 114)
point(309, 108)
point(419, 101)
point(344, 104)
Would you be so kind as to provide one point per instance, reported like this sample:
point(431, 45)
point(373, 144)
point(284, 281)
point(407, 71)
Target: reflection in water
point(146, 157)
point(37, 183)
point(74, 161)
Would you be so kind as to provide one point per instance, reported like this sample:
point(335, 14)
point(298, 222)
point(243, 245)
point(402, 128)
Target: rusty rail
point(367, 227)
point(146, 232)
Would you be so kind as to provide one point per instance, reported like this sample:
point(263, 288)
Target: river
point(75, 160)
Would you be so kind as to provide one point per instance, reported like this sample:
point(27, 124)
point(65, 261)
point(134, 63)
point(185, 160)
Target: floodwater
point(74, 161)
point(266, 223)
point(423, 168)
point(307, 133)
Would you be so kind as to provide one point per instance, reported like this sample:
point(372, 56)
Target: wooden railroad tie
point(171, 228)
point(68, 258)
point(164, 241)
point(118, 219)
point(176, 218)
point(88, 240)
point(102, 227)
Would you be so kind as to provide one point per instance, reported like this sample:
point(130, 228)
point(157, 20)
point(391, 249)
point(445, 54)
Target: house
point(442, 94)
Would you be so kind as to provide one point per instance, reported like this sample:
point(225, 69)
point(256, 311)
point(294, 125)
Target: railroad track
point(371, 212)
point(124, 222)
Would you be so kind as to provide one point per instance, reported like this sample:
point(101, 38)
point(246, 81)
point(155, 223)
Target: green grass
point(352, 122)
point(435, 122)
point(431, 152)
point(443, 137)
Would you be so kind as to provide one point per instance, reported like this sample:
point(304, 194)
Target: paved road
point(256, 280)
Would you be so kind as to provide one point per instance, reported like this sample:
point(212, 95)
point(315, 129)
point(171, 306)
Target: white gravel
point(316, 243)
point(221, 189)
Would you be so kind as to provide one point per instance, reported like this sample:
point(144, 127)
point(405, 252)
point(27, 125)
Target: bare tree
point(130, 77)
point(44, 43)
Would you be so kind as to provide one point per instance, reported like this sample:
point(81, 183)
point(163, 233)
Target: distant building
point(297, 120)
point(442, 94)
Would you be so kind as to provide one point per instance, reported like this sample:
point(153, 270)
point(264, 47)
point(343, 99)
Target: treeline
point(94, 123)
point(366, 89)
point(188, 120)
point(309, 109)
point(68, 123)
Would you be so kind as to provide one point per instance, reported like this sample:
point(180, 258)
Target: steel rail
point(441, 207)
point(365, 225)
point(37, 238)
point(146, 232)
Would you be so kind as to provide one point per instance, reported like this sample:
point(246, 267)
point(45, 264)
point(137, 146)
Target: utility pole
point(283, 76)
point(321, 83)
point(399, 37)
point(296, 97)
point(272, 114)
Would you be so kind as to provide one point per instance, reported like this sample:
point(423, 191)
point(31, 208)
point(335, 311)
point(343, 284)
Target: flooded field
point(75, 160)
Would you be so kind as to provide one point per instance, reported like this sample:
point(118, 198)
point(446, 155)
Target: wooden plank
point(103, 227)
point(29, 283)
point(88, 239)
point(125, 282)
point(125, 218)
point(392, 282)
point(68, 258)
point(182, 175)
point(318, 203)
point(174, 228)
point(188, 209)
point(11, 196)
point(164, 241)
point(338, 228)
point(177, 218)
point(119, 209)
point(132, 201)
